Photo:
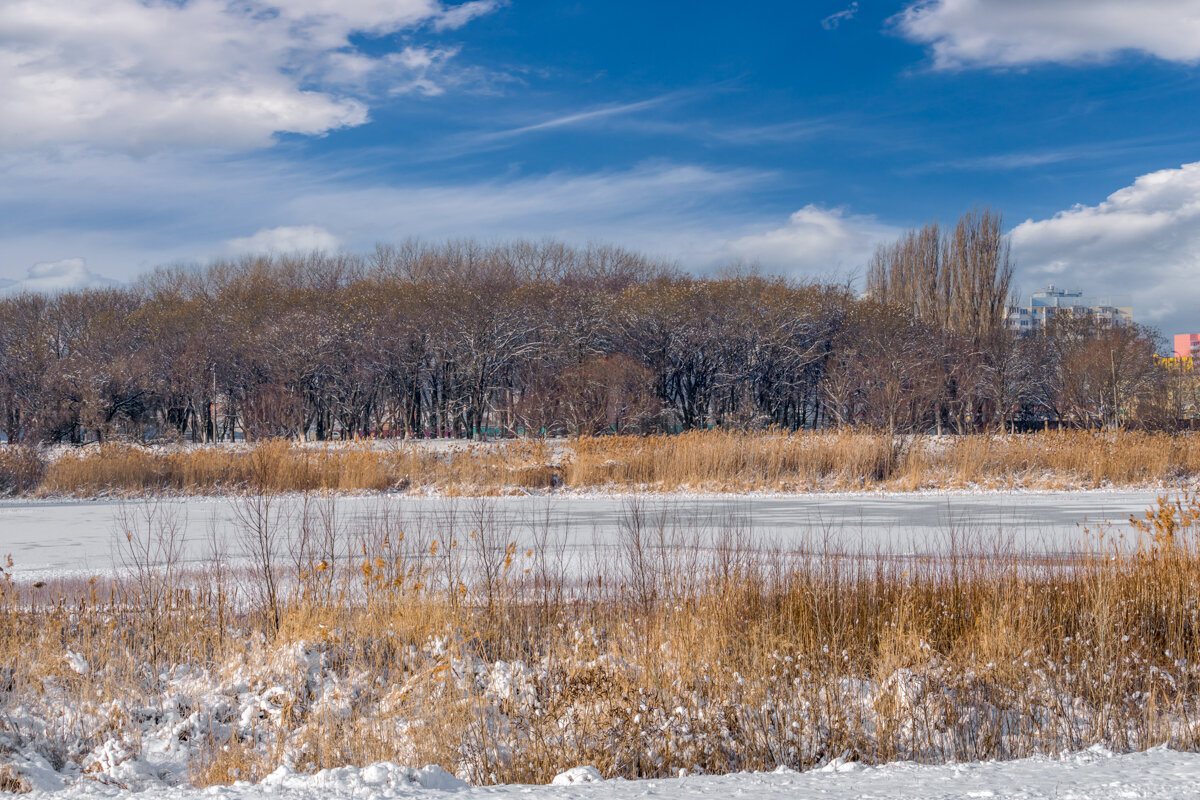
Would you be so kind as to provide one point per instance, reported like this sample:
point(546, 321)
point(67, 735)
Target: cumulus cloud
point(1003, 33)
point(1142, 241)
point(814, 241)
point(58, 276)
point(142, 74)
point(286, 239)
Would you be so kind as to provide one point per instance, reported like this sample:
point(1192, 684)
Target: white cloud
point(142, 74)
point(590, 115)
point(815, 241)
point(128, 215)
point(58, 276)
point(1142, 241)
point(1005, 33)
point(286, 239)
point(845, 15)
point(458, 16)
point(421, 69)
point(662, 208)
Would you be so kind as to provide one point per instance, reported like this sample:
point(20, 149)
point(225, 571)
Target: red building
point(1187, 345)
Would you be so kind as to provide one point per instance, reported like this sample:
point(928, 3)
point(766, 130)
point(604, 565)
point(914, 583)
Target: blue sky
point(792, 135)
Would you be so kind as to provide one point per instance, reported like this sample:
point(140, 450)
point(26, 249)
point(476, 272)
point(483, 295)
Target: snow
point(76, 662)
point(378, 778)
point(57, 538)
point(148, 739)
point(1095, 774)
point(577, 775)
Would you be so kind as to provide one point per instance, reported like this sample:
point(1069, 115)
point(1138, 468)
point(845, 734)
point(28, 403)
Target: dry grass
point(466, 644)
point(21, 470)
point(848, 460)
point(281, 466)
point(719, 461)
point(12, 782)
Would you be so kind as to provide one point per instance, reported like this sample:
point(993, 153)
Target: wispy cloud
point(1029, 159)
point(590, 115)
point(698, 215)
point(768, 133)
point(628, 116)
point(126, 215)
point(1000, 162)
point(455, 17)
point(845, 15)
point(654, 116)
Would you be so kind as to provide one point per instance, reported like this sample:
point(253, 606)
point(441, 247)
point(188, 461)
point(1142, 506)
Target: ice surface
point(51, 538)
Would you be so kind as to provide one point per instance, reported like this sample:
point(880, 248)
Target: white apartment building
point(1046, 303)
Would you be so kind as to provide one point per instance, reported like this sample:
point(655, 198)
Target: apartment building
point(1187, 345)
point(1047, 303)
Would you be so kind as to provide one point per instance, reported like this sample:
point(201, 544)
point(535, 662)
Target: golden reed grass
point(716, 461)
point(416, 642)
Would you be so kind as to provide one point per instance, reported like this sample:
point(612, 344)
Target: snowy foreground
point(1095, 775)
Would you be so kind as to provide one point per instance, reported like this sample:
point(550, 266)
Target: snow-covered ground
point(1095, 775)
point(49, 538)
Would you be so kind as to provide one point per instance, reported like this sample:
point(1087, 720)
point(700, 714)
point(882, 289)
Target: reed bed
point(710, 461)
point(463, 642)
point(282, 466)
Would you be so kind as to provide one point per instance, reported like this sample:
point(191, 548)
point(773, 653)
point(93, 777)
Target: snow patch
point(577, 775)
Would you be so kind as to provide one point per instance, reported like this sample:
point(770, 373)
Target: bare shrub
point(260, 530)
point(148, 541)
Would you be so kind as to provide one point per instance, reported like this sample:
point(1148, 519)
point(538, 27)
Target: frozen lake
point(76, 537)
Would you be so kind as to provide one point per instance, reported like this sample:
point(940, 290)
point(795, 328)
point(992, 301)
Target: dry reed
point(21, 470)
point(715, 461)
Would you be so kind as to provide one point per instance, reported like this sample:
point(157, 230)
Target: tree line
point(467, 339)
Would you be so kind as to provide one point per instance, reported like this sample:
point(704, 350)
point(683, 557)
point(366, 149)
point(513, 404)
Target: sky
point(795, 136)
